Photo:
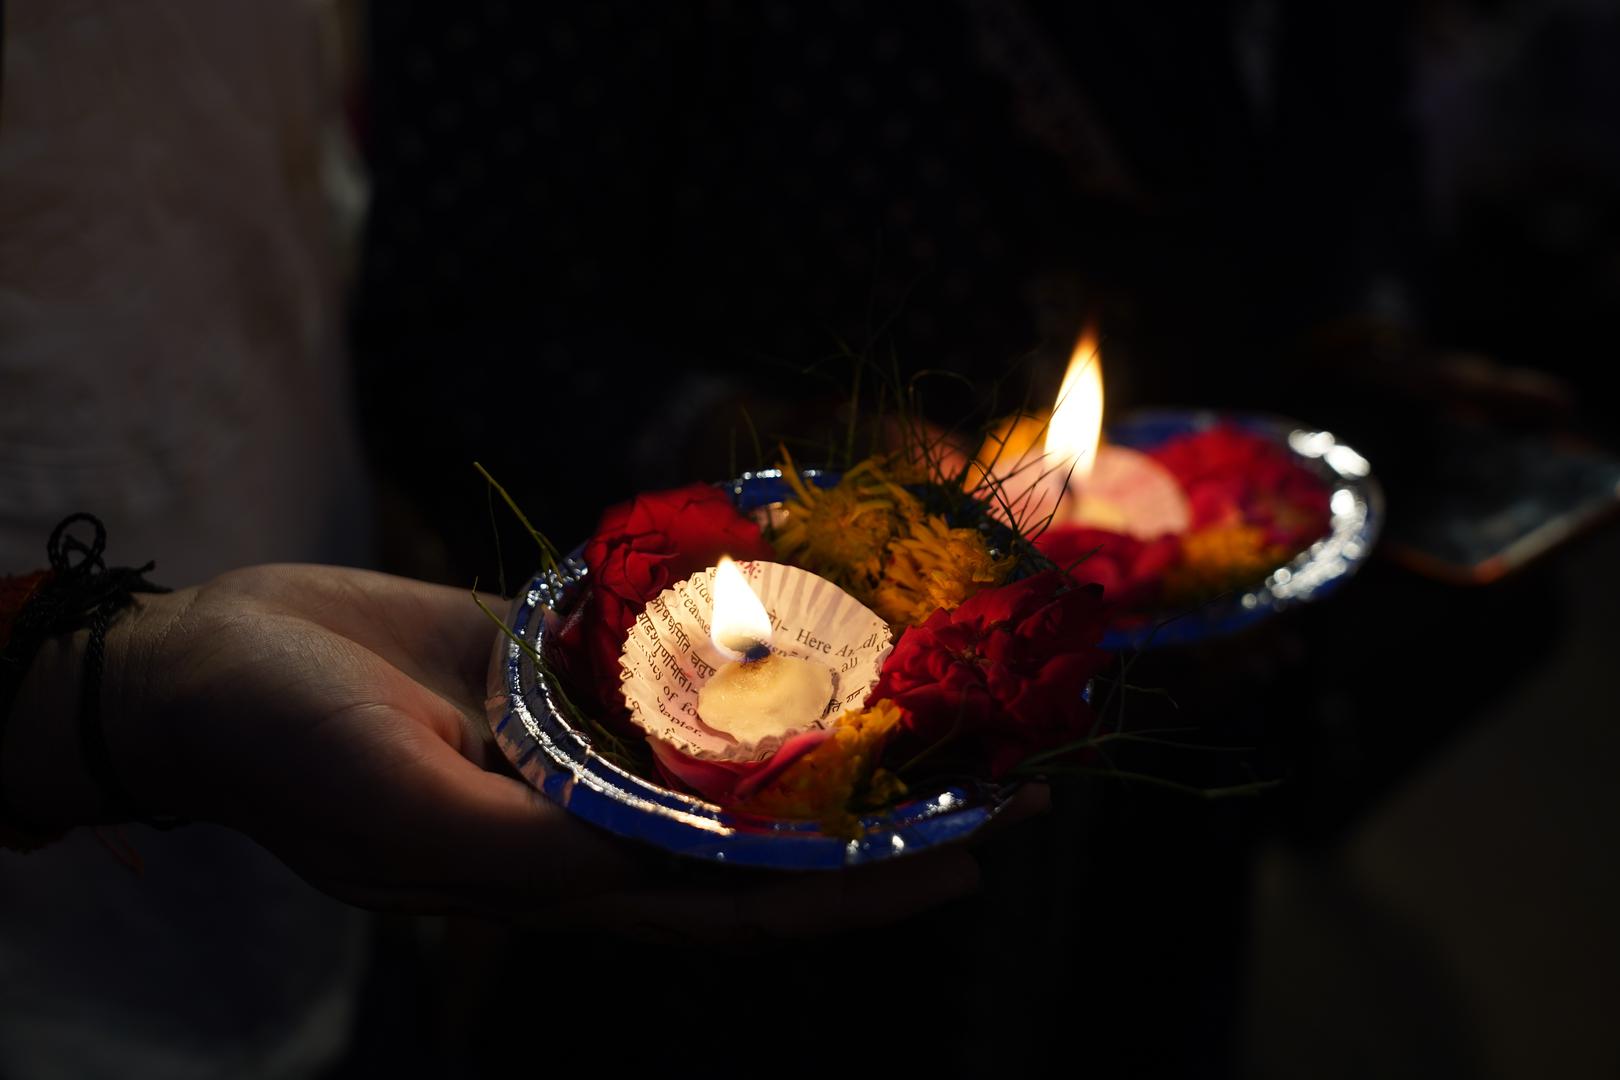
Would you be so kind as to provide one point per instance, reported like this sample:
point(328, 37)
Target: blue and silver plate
point(558, 759)
point(1356, 513)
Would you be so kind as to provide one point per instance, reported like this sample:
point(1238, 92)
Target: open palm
point(337, 716)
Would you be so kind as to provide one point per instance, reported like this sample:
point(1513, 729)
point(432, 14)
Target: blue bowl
point(1356, 513)
point(557, 758)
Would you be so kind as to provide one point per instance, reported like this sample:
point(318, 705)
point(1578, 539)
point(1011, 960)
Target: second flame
point(1073, 433)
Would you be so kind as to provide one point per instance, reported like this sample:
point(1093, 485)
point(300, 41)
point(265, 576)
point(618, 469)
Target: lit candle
point(1075, 478)
point(758, 694)
point(1034, 460)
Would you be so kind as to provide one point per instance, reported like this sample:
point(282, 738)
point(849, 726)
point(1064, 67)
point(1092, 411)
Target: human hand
point(336, 716)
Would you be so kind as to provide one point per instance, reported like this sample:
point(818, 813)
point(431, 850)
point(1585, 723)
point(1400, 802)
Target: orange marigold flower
point(935, 568)
point(828, 783)
point(1219, 558)
point(842, 532)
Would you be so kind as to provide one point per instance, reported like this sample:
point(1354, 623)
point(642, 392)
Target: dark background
point(598, 237)
point(602, 243)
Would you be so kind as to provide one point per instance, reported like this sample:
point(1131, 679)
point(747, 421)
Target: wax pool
point(755, 700)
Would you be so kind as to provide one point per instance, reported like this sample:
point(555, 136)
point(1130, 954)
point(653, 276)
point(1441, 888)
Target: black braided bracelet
point(81, 592)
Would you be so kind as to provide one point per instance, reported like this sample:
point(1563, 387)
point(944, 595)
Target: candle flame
point(1073, 433)
point(740, 622)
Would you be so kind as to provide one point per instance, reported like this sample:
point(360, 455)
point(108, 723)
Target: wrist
point(44, 776)
point(46, 772)
point(137, 713)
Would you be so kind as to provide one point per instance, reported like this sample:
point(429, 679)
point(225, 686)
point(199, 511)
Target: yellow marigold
point(824, 784)
point(935, 567)
point(1221, 557)
point(841, 532)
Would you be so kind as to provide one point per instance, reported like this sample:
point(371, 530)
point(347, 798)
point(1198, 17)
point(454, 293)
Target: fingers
point(469, 637)
point(493, 843)
point(470, 840)
point(448, 836)
point(462, 647)
point(436, 634)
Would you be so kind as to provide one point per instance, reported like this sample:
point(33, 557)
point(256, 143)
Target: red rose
point(640, 549)
point(1130, 571)
point(1234, 477)
point(1005, 671)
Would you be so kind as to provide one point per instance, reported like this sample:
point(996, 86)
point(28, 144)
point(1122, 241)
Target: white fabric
point(169, 315)
point(170, 360)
